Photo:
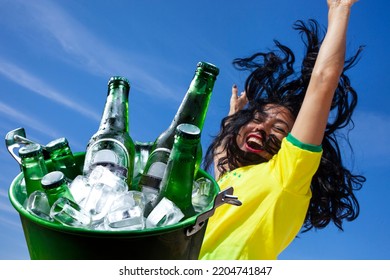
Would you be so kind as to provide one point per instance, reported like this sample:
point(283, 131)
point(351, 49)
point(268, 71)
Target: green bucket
point(47, 240)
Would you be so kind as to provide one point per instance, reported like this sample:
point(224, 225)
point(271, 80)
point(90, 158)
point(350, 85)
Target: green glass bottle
point(178, 179)
point(112, 142)
point(55, 185)
point(192, 110)
point(142, 152)
point(62, 158)
point(33, 167)
point(149, 183)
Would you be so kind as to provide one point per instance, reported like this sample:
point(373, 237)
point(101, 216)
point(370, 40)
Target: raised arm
point(310, 124)
point(237, 103)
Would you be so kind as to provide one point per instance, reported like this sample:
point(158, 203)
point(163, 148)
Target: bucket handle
point(225, 196)
point(13, 139)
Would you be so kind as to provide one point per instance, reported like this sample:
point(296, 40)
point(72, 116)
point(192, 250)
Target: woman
point(280, 153)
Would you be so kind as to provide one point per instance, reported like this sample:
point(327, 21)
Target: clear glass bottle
point(33, 167)
point(62, 158)
point(112, 142)
point(192, 110)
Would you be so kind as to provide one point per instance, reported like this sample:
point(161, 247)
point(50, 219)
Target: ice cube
point(104, 175)
point(126, 212)
point(125, 219)
point(80, 189)
point(99, 201)
point(165, 213)
point(202, 194)
point(69, 213)
point(38, 205)
point(150, 198)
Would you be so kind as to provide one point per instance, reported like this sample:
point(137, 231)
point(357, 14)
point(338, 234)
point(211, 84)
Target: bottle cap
point(188, 131)
point(30, 150)
point(208, 67)
point(118, 80)
point(53, 180)
point(57, 144)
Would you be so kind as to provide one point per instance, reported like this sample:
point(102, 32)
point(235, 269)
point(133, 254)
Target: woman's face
point(275, 121)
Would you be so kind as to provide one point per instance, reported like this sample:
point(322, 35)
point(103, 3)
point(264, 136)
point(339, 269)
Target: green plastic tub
point(46, 240)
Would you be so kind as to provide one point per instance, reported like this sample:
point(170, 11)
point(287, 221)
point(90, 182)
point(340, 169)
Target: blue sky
point(57, 56)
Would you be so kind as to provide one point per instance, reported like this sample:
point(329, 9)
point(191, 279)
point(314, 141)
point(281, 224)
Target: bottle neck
point(34, 168)
point(115, 116)
point(185, 148)
point(64, 161)
point(57, 192)
point(62, 152)
point(34, 164)
point(194, 106)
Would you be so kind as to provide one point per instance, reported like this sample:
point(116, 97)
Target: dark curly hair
point(273, 80)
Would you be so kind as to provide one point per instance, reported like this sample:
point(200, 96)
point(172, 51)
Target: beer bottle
point(55, 185)
point(142, 152)
point(149, 184)
point(63, 207)
point(112, 142)
point(178, 179)
point(33, 167)
point(62, 158)
point(192, 110)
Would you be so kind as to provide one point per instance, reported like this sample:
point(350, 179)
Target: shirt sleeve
point(295, 165)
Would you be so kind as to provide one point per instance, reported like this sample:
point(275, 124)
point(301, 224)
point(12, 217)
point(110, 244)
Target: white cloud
point(38, 86)
point(12, 222)
point(7, 212)
point(86, 50)
point(25, 119)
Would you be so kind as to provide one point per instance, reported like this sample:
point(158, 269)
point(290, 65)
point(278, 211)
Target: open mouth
point(254, 143)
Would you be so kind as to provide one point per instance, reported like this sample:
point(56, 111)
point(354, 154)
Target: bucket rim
point(24, 214)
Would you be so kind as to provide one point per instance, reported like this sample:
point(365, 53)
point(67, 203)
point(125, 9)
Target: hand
point(237, 102)
point(336, 3)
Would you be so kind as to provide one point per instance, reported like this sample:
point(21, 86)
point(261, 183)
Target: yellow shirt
point(275, 197)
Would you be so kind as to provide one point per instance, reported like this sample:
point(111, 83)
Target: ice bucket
point(46, 240)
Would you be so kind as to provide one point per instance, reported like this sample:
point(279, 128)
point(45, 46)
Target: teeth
point(255, 143)
point(254, 140)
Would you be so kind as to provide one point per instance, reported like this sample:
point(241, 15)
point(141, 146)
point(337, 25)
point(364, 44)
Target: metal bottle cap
point(188, 131)
point(30, 150)
point(57, 144)
point(53, 180)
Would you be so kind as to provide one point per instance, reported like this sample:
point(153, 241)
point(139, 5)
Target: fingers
point(243, 96)
point(237, 102)
point(233, 100)
point(335, 3)
point(234, 91)
point(235, 95)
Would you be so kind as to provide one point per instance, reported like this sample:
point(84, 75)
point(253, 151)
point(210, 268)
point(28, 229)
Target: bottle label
point(157, 169)
point(150, 181)
point(107, 150)
point(154, 176)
